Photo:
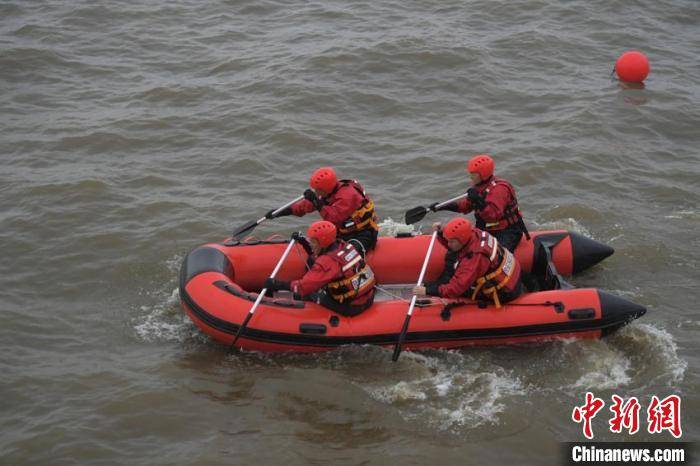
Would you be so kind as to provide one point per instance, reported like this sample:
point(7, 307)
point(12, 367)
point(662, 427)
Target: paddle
point(237, 234)
point(417, 213)
point(402, 335)
point(260, 297)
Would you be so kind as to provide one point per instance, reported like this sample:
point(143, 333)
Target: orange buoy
point(632, 66)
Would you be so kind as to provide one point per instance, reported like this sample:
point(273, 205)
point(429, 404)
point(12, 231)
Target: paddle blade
point(402, 336)
point(247, 228)
point(415, 215)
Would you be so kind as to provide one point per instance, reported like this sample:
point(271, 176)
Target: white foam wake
point(165, 320)
point(450, 391)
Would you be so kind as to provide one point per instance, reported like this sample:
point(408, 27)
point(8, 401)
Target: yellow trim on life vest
point(493, 289)
point(347, 284)
point(362, 217)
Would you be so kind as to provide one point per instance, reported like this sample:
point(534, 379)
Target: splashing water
point(606, 368)
point(160, 323)
point(569, 223)
point(456, 391)
point(164, 320)
point(389, 227)
point(657, 353)
point(689, 214)
point(640, 353)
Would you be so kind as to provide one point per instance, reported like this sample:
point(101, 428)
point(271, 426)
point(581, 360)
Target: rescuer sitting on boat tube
point(481, 263)
point(339, 278)
point(494, 203)
point(341, 202)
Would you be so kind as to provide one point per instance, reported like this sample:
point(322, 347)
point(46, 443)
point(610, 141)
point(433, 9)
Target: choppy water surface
point(131, 132)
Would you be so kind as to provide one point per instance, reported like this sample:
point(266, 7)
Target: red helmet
point(324, 179)
point(458, 228)
point(323, 231)
point(481, 164)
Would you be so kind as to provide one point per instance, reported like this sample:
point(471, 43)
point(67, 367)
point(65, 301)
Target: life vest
point(355, 284)
point(503, 271)
point(511, 212)
point(364, 218)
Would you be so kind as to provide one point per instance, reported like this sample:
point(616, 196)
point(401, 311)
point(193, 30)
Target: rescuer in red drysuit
point(483, 269)
point(341, 202)
point(338, 279)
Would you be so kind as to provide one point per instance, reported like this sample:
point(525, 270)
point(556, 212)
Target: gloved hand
point(477, 200)
point(269, 215)
point(310, 195)
point(272, 284)
point(303, 242)
point(452, 206)
point(432, 289)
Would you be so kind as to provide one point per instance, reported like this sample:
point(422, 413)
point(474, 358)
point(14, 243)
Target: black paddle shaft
point(260, 296)
point(240, 330)
point(404, 329)
point(417, 213)
point(236, 235)
point(402, 337)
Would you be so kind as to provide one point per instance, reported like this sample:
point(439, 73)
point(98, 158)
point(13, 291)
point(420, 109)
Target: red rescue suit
point(347, 207)
point(343, 275)
point(501, 210)
point(493, 270)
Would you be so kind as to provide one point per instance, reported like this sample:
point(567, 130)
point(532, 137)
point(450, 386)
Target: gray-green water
point(131, 132)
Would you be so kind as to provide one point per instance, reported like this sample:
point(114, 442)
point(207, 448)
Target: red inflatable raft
point(218, 282)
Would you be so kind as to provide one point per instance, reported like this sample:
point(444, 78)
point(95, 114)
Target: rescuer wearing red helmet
point(338, 279)
point(481, 263)
point(494, 203)
point(341, 202)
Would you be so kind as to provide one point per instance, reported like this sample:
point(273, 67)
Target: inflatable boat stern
point(617, 312)
point(587, 252)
